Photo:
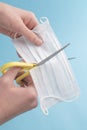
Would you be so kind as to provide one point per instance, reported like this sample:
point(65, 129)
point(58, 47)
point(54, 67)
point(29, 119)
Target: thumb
point(31, 36)
point(12, 73)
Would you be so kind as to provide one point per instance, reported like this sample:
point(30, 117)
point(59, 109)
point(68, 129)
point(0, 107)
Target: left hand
point(17, 21)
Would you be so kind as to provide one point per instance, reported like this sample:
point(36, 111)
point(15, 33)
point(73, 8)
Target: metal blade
point(71, 58)
point(52, 55)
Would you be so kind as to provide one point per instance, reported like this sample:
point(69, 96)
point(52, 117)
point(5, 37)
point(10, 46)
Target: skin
point(14, 20)
point(14, 99)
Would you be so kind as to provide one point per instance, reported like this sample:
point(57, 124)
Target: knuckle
point(32, 14)
point(35, 103)
point(33, 95)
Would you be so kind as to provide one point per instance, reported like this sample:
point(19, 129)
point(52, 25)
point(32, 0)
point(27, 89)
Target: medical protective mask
point(54, 80)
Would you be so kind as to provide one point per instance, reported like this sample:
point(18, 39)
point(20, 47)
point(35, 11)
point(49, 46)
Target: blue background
point(69, 21)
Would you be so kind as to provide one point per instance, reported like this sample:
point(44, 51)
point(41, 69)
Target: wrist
point(2, 114)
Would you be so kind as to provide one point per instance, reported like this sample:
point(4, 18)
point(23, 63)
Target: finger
point(27, 81)
point(9, 33)
point(23, 30)
point(22, 99)
point(6, 32)
point(30, 35)
point(33, 22)
point(11, 73)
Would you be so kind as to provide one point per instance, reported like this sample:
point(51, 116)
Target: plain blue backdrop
point(69, 21)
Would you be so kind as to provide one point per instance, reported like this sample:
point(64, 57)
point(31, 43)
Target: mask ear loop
point(45, 109)
point(44, 20)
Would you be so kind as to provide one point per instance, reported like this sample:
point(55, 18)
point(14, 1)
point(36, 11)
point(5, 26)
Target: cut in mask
point(54, 80)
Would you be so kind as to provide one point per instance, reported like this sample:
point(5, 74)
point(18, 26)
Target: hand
point(17, 21)
point(15, 100)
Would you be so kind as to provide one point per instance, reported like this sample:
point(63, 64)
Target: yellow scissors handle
point(23, 65)
point(20, 78)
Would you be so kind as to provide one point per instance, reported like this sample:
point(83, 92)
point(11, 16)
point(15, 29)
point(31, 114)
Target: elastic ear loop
point(44, 20)
point(44, 108)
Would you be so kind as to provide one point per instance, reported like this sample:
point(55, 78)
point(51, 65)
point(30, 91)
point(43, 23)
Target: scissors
point(25, 67)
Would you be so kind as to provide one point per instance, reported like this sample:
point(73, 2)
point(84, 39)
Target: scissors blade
point(52, 55)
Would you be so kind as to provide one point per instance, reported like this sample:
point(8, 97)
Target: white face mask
point(54, 80)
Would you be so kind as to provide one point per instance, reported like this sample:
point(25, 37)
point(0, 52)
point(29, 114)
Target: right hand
point(15, 100)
